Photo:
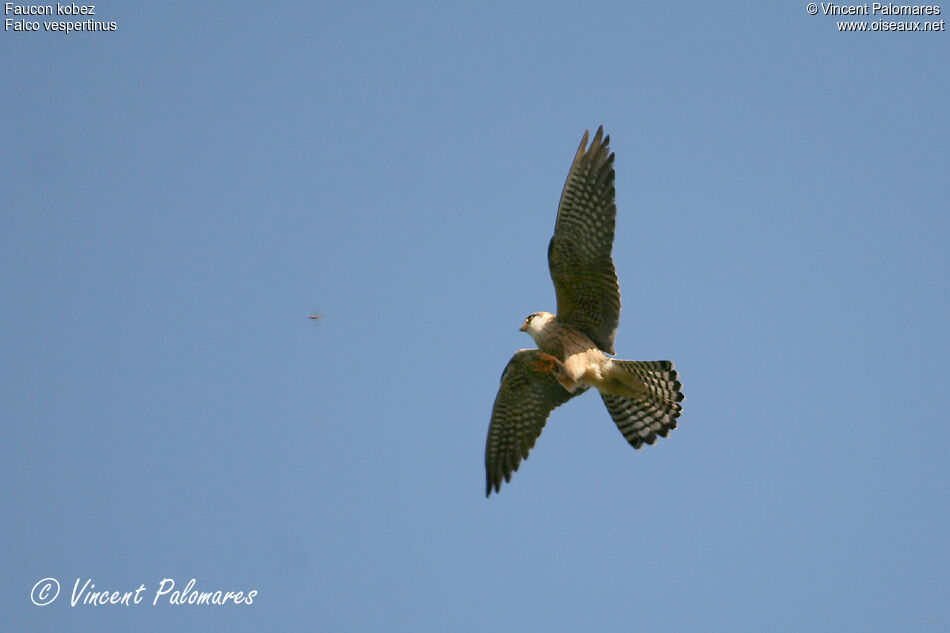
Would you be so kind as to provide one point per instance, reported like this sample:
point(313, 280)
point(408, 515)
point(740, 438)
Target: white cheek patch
point(536, 324)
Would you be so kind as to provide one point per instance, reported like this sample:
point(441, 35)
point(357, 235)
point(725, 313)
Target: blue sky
point(180, 194)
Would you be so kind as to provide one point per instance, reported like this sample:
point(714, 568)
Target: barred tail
point(654, 409)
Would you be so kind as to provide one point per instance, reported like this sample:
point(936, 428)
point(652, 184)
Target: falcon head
point(535, 323)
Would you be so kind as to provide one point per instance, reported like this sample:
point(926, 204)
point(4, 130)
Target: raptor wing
point(579, 254)
point(525, 399)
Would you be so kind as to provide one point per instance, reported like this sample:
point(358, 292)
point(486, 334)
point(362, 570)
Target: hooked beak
point(523, 328)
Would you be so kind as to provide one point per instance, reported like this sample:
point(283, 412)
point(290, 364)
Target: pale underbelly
point(585, 366)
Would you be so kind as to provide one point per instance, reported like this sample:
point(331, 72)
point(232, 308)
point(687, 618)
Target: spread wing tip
point(599, 140)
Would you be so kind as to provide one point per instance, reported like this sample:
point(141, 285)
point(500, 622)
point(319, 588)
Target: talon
point(545, 363)
point(542, 366)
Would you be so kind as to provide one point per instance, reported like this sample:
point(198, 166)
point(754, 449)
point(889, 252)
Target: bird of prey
point(575, 345)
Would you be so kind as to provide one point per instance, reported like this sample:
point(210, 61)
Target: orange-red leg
point(545, 363)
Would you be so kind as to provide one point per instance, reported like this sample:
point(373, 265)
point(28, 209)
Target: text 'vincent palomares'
point(878, 8)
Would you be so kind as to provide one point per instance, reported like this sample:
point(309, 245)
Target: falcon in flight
point(575, 345)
